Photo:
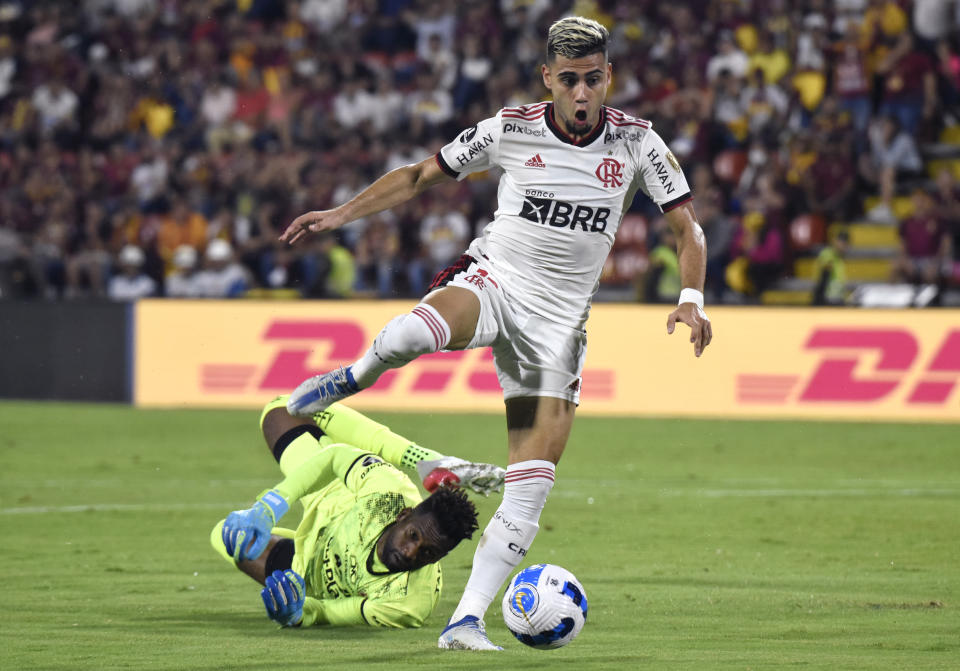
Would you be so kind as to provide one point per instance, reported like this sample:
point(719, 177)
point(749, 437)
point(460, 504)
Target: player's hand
point(701, 333)
point(283, 595)
point(246, 532)
point(316, 221)
point(481, 478)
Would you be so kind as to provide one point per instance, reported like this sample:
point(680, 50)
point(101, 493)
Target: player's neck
point(575, 138)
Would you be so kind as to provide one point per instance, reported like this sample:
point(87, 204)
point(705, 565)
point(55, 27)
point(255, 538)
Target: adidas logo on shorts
point(535, 162)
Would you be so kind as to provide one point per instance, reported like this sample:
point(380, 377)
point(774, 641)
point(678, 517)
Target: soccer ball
point(545, 606)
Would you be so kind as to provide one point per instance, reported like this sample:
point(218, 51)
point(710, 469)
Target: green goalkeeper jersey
point(353, 498)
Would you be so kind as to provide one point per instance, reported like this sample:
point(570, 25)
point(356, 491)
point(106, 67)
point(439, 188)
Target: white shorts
point(533, 356)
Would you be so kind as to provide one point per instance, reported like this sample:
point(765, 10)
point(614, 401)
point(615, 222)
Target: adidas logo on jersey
point(535, 162)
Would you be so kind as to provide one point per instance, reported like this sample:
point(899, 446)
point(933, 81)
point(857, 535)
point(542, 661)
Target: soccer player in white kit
point(571, 168)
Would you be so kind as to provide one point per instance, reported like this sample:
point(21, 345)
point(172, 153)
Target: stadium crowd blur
point(159, 147)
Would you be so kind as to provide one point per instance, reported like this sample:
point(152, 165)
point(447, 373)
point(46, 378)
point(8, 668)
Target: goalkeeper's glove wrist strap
point(275, 502)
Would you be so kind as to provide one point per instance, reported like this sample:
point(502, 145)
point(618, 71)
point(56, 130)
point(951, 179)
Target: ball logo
point(610, 172)
point(524, 600)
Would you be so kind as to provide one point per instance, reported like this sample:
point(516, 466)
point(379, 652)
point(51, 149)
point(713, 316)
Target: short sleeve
point(474, 150)
point(661, 177)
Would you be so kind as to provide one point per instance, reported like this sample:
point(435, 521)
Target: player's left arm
point(692, 254)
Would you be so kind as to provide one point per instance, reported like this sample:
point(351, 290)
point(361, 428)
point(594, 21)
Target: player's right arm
point(474, 150)
point(396, 187)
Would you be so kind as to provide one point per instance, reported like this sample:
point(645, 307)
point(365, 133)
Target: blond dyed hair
point(576, 37)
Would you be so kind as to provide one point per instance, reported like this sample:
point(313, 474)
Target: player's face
point(413, 542)
point(579, 87)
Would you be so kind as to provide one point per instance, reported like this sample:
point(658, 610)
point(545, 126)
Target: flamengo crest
point(610, 172)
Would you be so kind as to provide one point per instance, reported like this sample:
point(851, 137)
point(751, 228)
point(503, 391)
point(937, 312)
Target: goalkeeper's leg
point(345, 425)
point(291, 440)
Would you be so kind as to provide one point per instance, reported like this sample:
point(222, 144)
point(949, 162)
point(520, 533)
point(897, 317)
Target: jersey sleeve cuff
point(676, 202)
point(446, 168)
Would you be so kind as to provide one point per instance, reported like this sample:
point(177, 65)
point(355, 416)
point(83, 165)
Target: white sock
point(402, 340)
point(508, 535)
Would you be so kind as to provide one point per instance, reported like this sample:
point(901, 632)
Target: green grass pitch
point(701, 544)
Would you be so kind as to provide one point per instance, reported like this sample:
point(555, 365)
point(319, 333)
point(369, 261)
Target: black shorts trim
point(444, 277)
point(280, 557)
point(283, 442)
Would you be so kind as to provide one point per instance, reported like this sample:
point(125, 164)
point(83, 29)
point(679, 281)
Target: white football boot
point(319, 392)
point(466, 634)
point(481, 478)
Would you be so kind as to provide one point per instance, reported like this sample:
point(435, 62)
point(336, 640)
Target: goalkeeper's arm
point(246, 532)
point(354, 610)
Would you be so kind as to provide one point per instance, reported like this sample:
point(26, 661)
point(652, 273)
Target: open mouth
point(581, 115)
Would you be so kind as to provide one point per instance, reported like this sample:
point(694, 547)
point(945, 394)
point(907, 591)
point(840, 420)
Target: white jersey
point(560, 202)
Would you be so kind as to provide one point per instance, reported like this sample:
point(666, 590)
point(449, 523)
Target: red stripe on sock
point(431, 318)
point(531, 471)
point(430, 325)
point(515, 471)
point(533, 476)
point(530, 474)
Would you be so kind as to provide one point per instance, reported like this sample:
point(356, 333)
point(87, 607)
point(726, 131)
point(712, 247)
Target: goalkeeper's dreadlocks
point(455, 513)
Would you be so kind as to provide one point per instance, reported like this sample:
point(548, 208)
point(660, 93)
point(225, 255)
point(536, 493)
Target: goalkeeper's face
point(412, 542)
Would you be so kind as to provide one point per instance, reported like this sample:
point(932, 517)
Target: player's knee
point(405, 337)
point(275, 404)
point(216, 541)
point(281, 434)
point(280, 428)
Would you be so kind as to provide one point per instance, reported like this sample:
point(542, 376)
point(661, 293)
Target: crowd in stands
point(159, 147)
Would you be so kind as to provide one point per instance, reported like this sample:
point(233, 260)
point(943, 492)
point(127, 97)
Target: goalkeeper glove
point(481, 478)
point(283, 595)
point(247, 532)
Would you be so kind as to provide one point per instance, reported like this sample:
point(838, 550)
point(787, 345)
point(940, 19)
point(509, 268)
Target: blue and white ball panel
point(544, 606)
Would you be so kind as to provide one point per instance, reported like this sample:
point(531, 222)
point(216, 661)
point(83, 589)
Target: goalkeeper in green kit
point(367, 548)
